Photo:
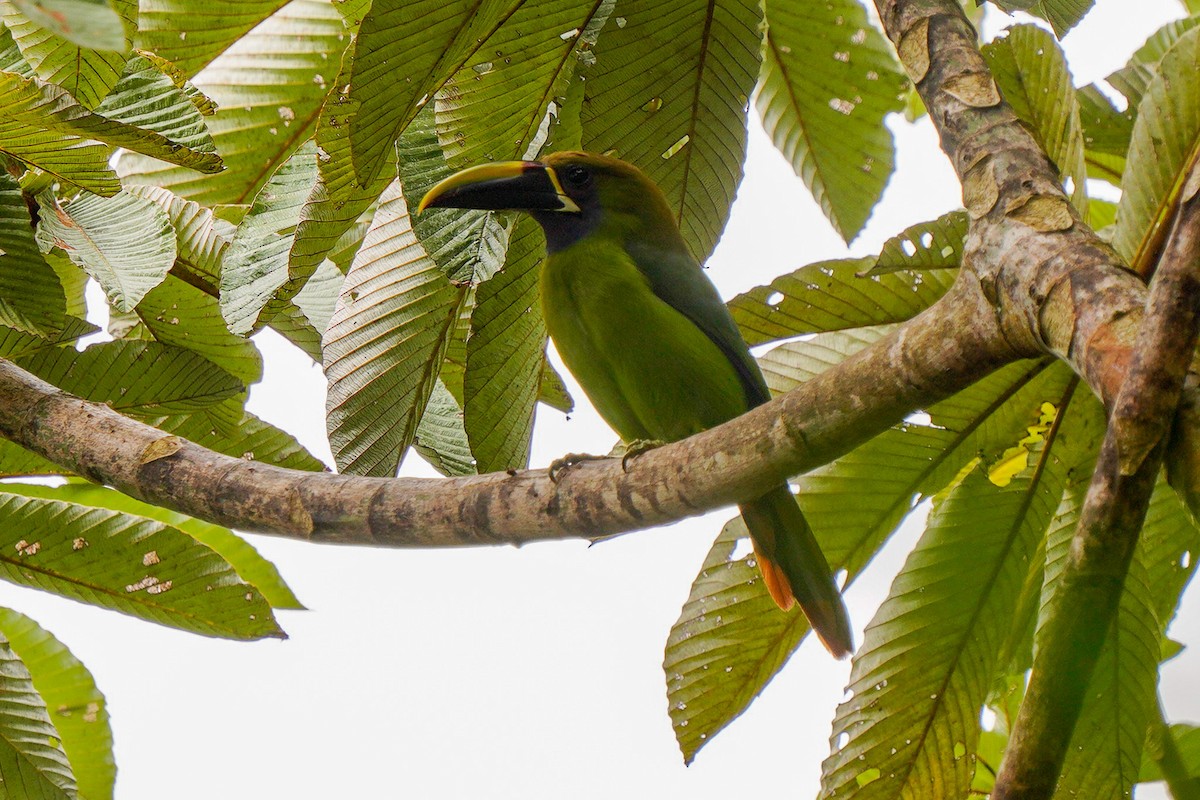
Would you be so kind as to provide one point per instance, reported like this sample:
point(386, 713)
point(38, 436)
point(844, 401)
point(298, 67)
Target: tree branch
point(1085, 606)
point(945, 349)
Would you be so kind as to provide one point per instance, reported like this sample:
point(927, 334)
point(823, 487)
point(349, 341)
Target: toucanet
point(645, 333)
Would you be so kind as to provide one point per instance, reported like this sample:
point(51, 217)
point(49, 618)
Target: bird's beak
point(504, 185)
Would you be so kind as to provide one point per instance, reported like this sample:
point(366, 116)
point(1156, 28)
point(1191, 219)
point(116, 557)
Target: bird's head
point(571, 194)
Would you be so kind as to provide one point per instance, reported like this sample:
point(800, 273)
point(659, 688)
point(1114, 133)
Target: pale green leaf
point(80, 45)
point(923, 672)
point(1032, 73)
point(494, 108)
point(385, 343)
point(269, 87)
point(125, 242)
point(1165, 142)
point(828, 80)
point(240, 554)
point(668, 92)
point(1187, 739)
point(256, 264)
point(191, 34)
point(148, 98)
point(32, 759)
point(505, 351)
point(835, 295)
point(27, 282)
point(136, 377)
point(177, 313)
point(1061, 14)
point(441, 438)
point(200, 238)
point(77, 707)
point(127, 563)
point(405, 50)
point(1133, 79)
point(937, 244)
point(1106, 133)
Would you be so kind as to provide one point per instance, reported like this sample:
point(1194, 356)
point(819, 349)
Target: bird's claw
point(559, 465)
point(636, 448)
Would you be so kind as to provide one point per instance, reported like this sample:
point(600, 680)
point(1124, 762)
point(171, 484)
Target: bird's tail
point(794, 568)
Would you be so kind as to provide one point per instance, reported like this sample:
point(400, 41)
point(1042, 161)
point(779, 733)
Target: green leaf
point(834, 295)
point(147, 97)
point(210, 27)
point(135, 377)
point(27, 282)
point(468, 246)
point(937, 244)
point(228, 428)
point(668, 92)
point(127, 563)
point(269, 86)
point(504, 356)
point(1187, 739)
point(1106, 750)
point(922, 674)
point(200, 238)
point(31, 753)
point(125, 242)
point(256, 264)
point(1106, 134)
point(494, 108)
point(240, 554)
point(404, 52)
point(441, 438)
point(178, 314)
point(853, 504)
point(1032, 73)
point(78, 709)
point(828, 80)
point(1061, 14)
point(1166, 141)
point(1133, 79)
point(91, 24)
point(385, 343)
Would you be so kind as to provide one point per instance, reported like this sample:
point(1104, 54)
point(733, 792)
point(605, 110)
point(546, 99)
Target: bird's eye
point(577, 177)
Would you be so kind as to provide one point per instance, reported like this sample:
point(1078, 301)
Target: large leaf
point(441, 438)
point(1106, 751)
point(1061, 14)
point(924, 670)
point(853, 505)
point(668, 92)
point(1033, 76)
point(149, 98)
point(269, 86)
point(834, 295)
point(81, 47)
point(1133, 79)
point(828, 80)
point(125, 242)
point(256, 263)
point(504, 356)
point(27, 282)
point(1165, 143)
point(32, 759)
point(127, 563)
point(135, 376)
point(77, 708)
point(237, 552)
point(385, 343)
point(494, 107)
point(208, 28)
point(405, 50)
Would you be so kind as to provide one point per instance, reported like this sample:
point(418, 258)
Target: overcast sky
point(504, 673)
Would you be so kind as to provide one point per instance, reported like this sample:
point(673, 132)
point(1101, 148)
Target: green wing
point(678, 280)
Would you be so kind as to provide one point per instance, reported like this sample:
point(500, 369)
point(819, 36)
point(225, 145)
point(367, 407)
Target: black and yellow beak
point(504, 185)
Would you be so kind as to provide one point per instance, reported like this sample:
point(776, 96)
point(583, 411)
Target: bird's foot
point(636, 448)
point(561, 465)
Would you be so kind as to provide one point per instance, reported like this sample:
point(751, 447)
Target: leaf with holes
point(668, 92)
point(31, 752)
point(127, 563)
point(828, 80)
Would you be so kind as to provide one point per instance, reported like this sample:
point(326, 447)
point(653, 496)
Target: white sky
point(504, 673)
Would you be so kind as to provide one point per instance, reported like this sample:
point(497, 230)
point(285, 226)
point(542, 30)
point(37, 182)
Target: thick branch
point(1085, 605)
point(941, 351)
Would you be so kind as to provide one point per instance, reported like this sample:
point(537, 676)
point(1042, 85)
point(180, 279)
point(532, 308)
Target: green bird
point(645, 333)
